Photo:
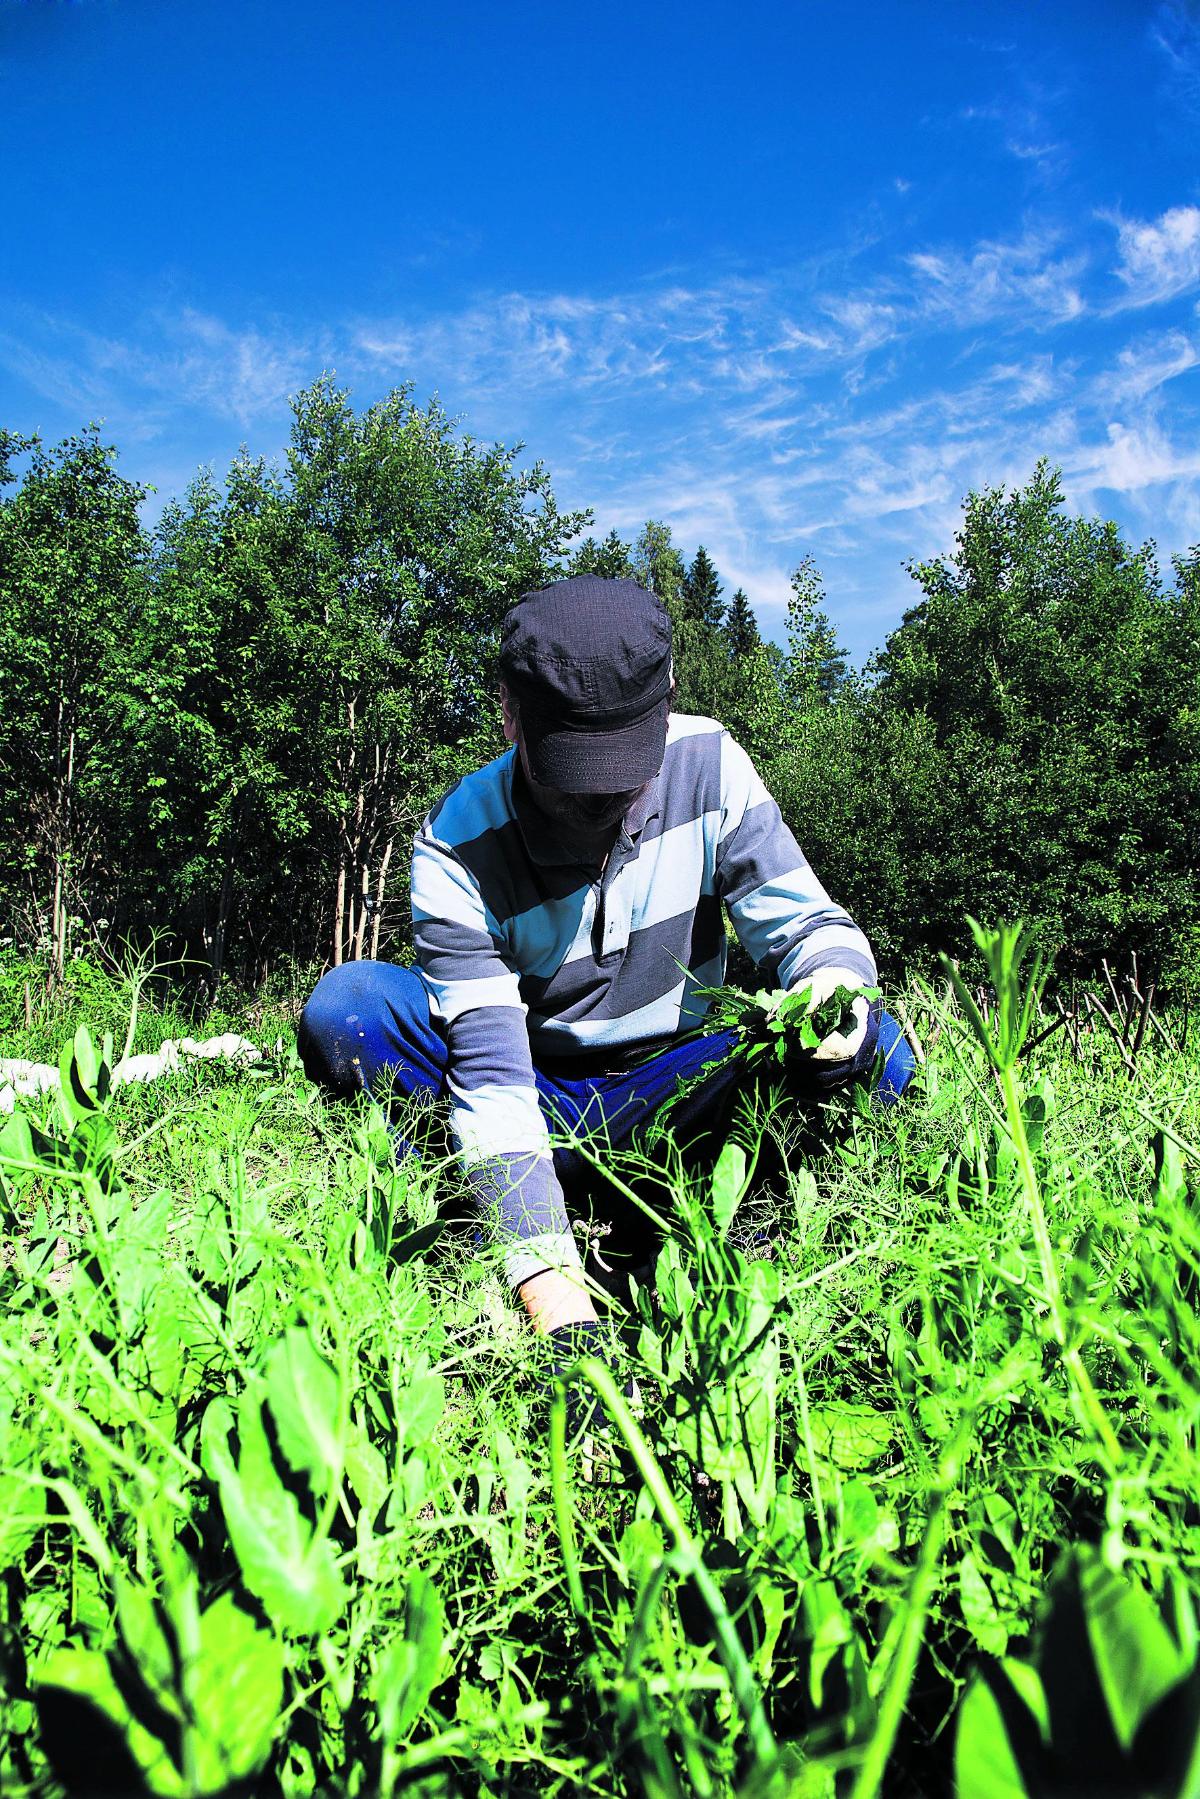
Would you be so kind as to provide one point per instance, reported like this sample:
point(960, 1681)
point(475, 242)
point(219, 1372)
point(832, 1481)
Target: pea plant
point(900, 1422)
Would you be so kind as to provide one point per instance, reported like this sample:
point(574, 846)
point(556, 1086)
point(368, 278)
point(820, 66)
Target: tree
point(226, 823)
point(72, 556)
point(741, 626)
point(701, 593)
point(1045, 655)
point(658, 565)
point(316, 664)
point(816, 663)
point(611, 559)
point(415, 542)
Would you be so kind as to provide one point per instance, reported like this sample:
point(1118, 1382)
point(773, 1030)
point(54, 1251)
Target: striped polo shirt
point(529, 955)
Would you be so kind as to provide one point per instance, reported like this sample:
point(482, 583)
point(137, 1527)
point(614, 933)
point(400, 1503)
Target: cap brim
point(610, 761)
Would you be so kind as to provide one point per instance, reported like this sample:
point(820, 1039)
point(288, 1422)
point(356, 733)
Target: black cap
point(588, 661)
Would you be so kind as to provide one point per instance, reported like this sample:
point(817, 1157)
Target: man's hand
point(557, 1299)
point(844, 1040)
point(589, 1429)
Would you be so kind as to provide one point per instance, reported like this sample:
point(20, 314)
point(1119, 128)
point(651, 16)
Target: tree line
point(223, 731)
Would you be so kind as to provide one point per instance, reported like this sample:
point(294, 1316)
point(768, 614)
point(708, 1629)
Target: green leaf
point(828, 1629)
point(236, 1694)
point(1137, 1659)
point(411, 1665)
point(417, 1243)
point(860, 1513)
point(675, 1292)
point(79, 1703)
point(294, 1574)
point(22, 1515)
point(210, 1240)
point(852, 1436)
point(16, 1142)
point(163, 1338)
point(143, 1635)
point(302, 1391)
point(93, 1146)
point(421, 1405)
point(985, 1761)
point(366, 1471)
point(85, 1061)
point(18, 1160)
point(77, 1071)
point(728, 1186)
point(979, 1608)
point(1170, 1179)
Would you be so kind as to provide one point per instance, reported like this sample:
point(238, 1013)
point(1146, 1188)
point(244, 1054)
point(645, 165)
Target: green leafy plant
point(905, 1506)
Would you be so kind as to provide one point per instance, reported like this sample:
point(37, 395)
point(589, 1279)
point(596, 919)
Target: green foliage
point(225, 732)
point(1120, 1717)
point(816, 664)
point(72, 566)
point(228, 734)
point(1046, 658)
point(700, 599)
point(782, 1026)
point(611, 558)
point(1026, 744)
point(904, 1503)
point(658, 565)
point(741, 626)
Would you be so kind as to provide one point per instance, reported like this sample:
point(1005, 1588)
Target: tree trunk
point(56, 916)
point(62, 850)
point(380, 884)
point(356, 877)
point(220, 933)
point(339, 911)
point(343, 905)
point(360, 930)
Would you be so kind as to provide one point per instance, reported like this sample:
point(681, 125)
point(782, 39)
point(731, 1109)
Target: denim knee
point(327, 1035)
point(367, 1025)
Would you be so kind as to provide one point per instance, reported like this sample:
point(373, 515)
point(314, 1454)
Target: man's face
point(584, 814)
point(589, 817)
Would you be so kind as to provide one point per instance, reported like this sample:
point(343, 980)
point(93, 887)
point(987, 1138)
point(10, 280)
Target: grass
point(288, 1505)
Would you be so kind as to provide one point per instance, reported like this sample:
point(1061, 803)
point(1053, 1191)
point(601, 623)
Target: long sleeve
point(495, 1119)
point(782, 914)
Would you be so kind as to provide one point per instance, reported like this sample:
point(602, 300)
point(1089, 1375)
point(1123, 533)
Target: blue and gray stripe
point(525, 950)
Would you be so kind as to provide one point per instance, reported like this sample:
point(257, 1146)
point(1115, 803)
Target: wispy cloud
point(1138, 456)
point(825, 407)
point(998, 280)
point(1175, 30)
point(1023, 128)
point(758, 337)
point(1158, 258)
point(168, 362)
point(1148, 363)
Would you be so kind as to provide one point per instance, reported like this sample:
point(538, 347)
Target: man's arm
point(782, 914)
point(495, 1118)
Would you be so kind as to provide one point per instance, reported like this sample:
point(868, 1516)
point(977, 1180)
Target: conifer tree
point(702, 603)
point(610, 558)
point(740, 626)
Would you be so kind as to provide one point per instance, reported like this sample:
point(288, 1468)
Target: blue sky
point(793, 277)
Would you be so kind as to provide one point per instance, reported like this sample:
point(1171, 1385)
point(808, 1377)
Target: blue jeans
point(367, 1027)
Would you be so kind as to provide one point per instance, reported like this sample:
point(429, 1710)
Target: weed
point(907, 1507)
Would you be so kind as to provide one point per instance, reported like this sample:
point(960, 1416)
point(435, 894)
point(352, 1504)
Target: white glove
point(839, 1046)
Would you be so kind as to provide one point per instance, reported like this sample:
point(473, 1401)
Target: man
point(567, 908)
